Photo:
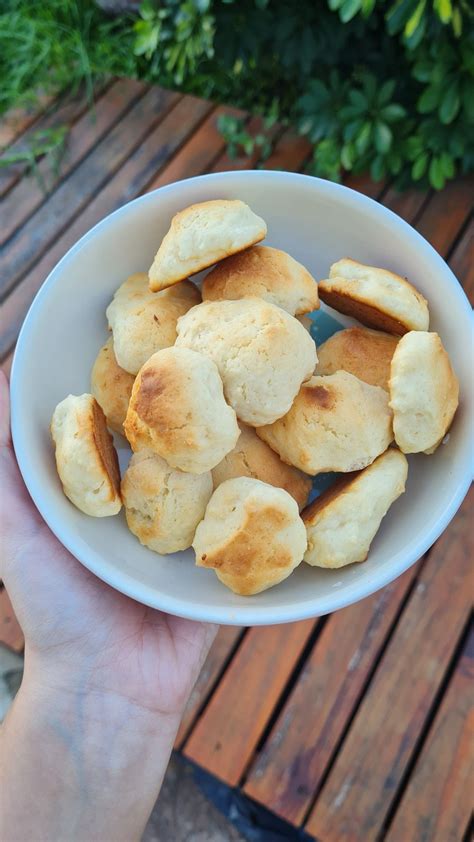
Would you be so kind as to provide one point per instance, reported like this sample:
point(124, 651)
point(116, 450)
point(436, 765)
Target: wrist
point(98, 756)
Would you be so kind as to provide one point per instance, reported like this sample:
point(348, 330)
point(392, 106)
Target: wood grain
point(226, 639)
point(226, 735)
point(17, 120)
point(88, 130)
point(71, 197)
point(446, 212)
point(130, 180)
point(437, 803)
point(462, 261)
point(289, 770)
point(368, 770)
point(11, 634)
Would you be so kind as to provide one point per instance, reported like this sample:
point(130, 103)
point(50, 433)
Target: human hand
point(85, 641)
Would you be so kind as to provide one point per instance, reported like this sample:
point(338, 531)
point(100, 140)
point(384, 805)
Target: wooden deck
point(356, 727)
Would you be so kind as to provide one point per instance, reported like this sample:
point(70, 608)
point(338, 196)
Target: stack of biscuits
point(230, 412)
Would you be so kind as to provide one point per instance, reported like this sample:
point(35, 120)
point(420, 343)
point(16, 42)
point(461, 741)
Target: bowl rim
point(248, 614)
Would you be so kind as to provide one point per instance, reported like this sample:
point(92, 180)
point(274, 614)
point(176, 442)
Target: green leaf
point(358, 100)
point(397, 15)
point(382, 137)
point(419, 167)
point(436, 174)
point(414, 21)
point(429, 100)
point(363, 138)
point(368, 7)
point(457, 22)
point(447, 164)
point(450, 105)
point(392, 113)
point(349, 9)
point(422, 71)
point(386, 92)
point(377, 168)
point(444, 9)
point(347, 156)
point(351, 130)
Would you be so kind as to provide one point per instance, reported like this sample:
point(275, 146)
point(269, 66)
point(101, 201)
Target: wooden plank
point(289, 770)
point(11, 634)
point(226, 639)
point(63, 112)
point(369, 768)
point(198, 154)
point(462, 261)
point(290, 153)
point(89, 129)
point(364, 184)
point(446, 212)
point(73, 194)
point(228, 732)
point(406, 204)
point(128, 182)
point(437, 803)
point(17, 120)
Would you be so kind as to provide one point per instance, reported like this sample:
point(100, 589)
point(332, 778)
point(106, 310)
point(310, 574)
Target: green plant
point(49, 143)
point(373, 84)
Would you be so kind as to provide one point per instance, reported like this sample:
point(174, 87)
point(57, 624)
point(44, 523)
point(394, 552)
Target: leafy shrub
point(384, 86)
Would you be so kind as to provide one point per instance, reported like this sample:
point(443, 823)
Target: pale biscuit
point(178, 410)
point(163, 506)
point(376, 297)
point(251, 457)
point(336, 423)
point(85, 456)
point(251, 535)
point(424, 392)
point(343, 521)
point(365, 353)
point(111, 386)
point(267, 273)
point(143, 322)
point(263, 354)
point(200, 236)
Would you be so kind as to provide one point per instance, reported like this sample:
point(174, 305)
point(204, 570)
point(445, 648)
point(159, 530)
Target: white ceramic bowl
point(317, 222)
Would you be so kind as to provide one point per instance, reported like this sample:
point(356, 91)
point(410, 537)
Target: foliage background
point(384, 86)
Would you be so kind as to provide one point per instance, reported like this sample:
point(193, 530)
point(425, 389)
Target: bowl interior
point(315, 221)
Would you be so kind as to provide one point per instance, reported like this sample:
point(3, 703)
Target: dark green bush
point(384, 86)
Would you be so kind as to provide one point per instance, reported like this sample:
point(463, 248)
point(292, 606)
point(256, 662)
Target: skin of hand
point(106, 679)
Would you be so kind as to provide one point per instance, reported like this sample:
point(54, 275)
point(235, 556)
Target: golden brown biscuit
point(85, 456)
point(336, 423)
point(376, 297)
point(163, 506)
point(263, 354)
point(143, 322)
point(267, 273)
point(111, 386)
point(343, 521)
point(200, 236)
point(424, 392)
point(251, 457)
point(365, 353)
point(251, 535)
point(178, 411)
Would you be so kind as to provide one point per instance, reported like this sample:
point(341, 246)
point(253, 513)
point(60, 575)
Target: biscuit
point(85, 456)
point(143, 322)
point(200, 236)
point(365, 353)
point(424, 392)
point(343, 521)
point(251, 535)
point(251, 457)
point(111, 387)
point(177, 410)
point(267, 273)
point(337, 423)
point(263, 354)
point(163, 506)
point(376, 297)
